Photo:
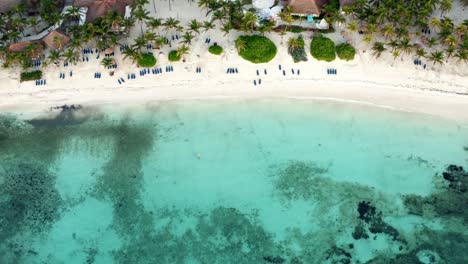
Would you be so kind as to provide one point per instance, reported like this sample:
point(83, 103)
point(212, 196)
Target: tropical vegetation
point(256, 49)
point(147, 60)
point(296, 49)
point(345, 51)
point(402, 28)
point(173, 56)
point(215, 49)
point(29, 76)
point(322, 48)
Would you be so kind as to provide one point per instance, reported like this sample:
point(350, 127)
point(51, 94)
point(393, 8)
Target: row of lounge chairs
point(36, 63)
point(232, 70)
point(97, 75)
point(88, 51)
point(40, 82)
point(121, 80)
point(198, 70)
point(331, 71)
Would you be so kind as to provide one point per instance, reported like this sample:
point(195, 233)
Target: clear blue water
point(265, 181)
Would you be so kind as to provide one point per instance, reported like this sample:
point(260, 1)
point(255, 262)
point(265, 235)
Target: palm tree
point(286, 15)
point(240, 45)
point(449, 51)
point(352, 26)
point(54, 56)
point(445, 5)
point(437, 57)
point(33, 22)
point(461, 55)
point(194, 26)
point(405, 46)
point(378, 48)
point(171, 23)
point(73, 12)
point(127, 24)
point(131, 53)
point(208, 25)
point(140, 15)
point(140, 42)
point(388, 31)
point(107, 62)
point(154, 23)
point(435, 23)
point(187, 38)
point(450, 41)
point(421, 53)
point(114, 19)
point(138, 4)
point(71, 56)
point(249, 20)
point(265, 28)
point(182, 51)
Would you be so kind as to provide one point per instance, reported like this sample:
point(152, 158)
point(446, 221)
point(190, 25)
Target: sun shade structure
point(56, 40)
point(306, 7)
point(99, 8)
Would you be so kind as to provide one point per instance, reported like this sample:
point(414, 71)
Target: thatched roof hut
point(306, 7)
point(99, 8)
point(347, 2)
point(22, 46)
point(56, 39)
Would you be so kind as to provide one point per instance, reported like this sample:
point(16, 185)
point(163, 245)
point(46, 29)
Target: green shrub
point(323, 48)
point(256, 49)
point(345, 52)
point(30, 76)
point(147, 60)
point(215, 49)
point(173, 56)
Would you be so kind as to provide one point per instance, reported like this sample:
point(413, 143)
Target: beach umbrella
point(108, 51)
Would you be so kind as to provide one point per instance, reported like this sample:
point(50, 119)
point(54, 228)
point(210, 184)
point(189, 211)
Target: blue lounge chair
point(265, 71)
point(119, 81)
point(298, 72)
point(237, 71)
point(292, 70)
point(284, 72)
point(279, 67)
point(258, 73)
point(259, 81)
point(255, 82)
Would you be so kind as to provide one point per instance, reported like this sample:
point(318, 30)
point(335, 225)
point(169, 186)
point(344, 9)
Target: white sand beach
point(436, 90)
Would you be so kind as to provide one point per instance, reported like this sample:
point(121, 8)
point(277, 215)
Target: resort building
point(56, 39)
point(99, 8)
point(306, 7)
point(34, 48)
point(6, 5)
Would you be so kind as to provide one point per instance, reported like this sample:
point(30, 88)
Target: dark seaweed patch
point(449, 201)
point(67, 116)
point(30, 200)
point(371, 219)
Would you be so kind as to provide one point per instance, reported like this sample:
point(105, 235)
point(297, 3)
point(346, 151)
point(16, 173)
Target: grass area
point(256, 49)
point(323, 49)
point(30, 76)
point(215, 49)
point(173, 56)
point(345, 52)
point(147, 60)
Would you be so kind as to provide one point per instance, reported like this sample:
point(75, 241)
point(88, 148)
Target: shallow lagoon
point(265, 181)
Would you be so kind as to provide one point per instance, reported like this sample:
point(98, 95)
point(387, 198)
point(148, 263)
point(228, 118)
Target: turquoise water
point(265, 181)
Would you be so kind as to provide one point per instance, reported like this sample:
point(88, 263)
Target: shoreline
point(439, 104)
